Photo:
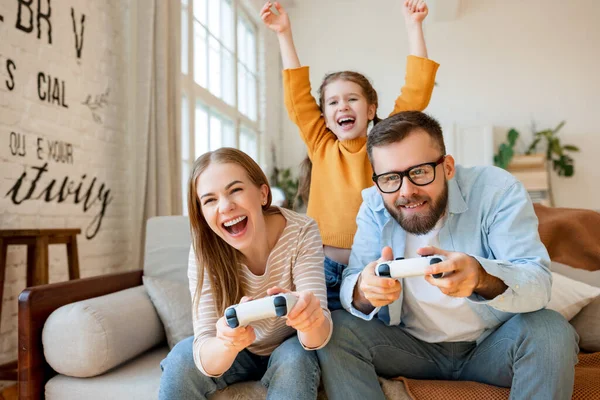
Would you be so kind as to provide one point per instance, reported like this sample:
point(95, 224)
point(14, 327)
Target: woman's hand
point(236, 339)
point(306, 314)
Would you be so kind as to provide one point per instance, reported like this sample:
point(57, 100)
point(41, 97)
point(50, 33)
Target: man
point(484, 320)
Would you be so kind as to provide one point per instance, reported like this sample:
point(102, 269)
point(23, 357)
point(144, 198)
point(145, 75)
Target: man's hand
point(374, 291)
point(463, 275)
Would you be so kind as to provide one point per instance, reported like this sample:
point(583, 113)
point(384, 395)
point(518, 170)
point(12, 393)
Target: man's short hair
point(397, 127)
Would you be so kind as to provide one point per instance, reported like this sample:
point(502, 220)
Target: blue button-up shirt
point(490, 217)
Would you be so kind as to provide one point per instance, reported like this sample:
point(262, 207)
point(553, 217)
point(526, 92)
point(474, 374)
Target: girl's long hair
point(216, 259)
point(305, 175)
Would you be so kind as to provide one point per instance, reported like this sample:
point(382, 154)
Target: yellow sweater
point(341, 169)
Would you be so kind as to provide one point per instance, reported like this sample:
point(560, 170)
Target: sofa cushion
point(139, 379)
point(581, 275)
point(173, 303)
point(587, 325)
point(570, 296)
point(168, 242)
point(89, 337)
point(587, 321)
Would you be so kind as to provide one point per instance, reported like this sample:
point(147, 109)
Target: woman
point(243, 248)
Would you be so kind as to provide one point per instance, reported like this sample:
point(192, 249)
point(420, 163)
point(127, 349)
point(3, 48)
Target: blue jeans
point(333, 280)
point(533, 353)
point(290, 372)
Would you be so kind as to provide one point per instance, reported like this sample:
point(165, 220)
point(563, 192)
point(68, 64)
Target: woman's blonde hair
point(214, 257)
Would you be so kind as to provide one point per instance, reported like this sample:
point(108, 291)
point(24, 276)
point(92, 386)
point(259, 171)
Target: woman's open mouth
point(236, 226)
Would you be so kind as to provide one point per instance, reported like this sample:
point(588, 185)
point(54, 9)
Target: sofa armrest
point(35, 306)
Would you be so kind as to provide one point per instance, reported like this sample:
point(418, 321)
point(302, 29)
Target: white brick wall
point(98, 149)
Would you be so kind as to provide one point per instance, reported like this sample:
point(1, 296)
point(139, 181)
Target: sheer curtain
point(154, 115)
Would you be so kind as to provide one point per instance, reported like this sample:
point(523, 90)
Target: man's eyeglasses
point(420, 175)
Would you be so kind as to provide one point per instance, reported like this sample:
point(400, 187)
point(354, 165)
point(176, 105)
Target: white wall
point(503, 63)
point(97, 138)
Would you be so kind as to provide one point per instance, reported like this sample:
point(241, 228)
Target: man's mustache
point(402, 201)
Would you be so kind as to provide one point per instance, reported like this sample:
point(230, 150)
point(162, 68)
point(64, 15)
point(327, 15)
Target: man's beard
point(423, 222)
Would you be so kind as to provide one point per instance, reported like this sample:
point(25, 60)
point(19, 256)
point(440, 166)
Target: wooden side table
point(37, 242)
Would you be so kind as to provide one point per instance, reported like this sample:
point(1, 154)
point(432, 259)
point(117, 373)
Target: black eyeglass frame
point(406, 173)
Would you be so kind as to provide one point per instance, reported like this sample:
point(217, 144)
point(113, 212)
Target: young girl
point(244, 248)
point(335, 132)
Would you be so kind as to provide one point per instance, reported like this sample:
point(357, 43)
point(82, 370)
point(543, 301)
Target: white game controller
point(404, 268)
point(243, 314)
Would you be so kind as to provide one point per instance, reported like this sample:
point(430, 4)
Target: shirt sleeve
point(303, 109)
point(365, 249)
point(205, 316)
point(418, 85)
point(308, 270)
point(521, 260)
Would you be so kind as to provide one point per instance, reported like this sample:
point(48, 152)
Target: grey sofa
point(108, 300)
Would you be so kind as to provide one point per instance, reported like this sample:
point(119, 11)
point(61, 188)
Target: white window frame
point(194, 92)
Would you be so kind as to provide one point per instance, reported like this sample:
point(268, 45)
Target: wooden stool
point(37, 241)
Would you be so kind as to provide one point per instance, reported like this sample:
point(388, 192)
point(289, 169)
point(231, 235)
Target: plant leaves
point(512, 136)
point(533, 145)
point(570, 147)
point(546, 132)
point(555, 145)
point(559, 127)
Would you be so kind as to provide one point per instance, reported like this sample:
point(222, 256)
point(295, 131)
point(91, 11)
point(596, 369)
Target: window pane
point(227, 77)
point(247, 92)
point(214, 66)
point(242, 90)
point(251, 51)
point(184, 41)
point(252, 98)
point(248, 143)
point(185, 175)
point(227, 24)
point(247, 42)
point(241, 37)
point(200, 65)
point(201, 130)
point(228, 133)
point(184, 2)
point(185, 129)
point(214, 17)
point(222, 132)
point(215, 133)
point(200, 11)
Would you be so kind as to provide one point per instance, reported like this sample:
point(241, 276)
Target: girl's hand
point(277, 23)
point(307, 314)
point(415, 11)
point(236, 339)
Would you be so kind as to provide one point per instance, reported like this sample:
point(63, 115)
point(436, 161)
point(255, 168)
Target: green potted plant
point(556, 153)
point(553, 156)
point(283, 179)
point(506, 150)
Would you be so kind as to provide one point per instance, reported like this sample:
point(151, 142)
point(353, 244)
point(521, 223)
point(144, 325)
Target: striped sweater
point(295, 263)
